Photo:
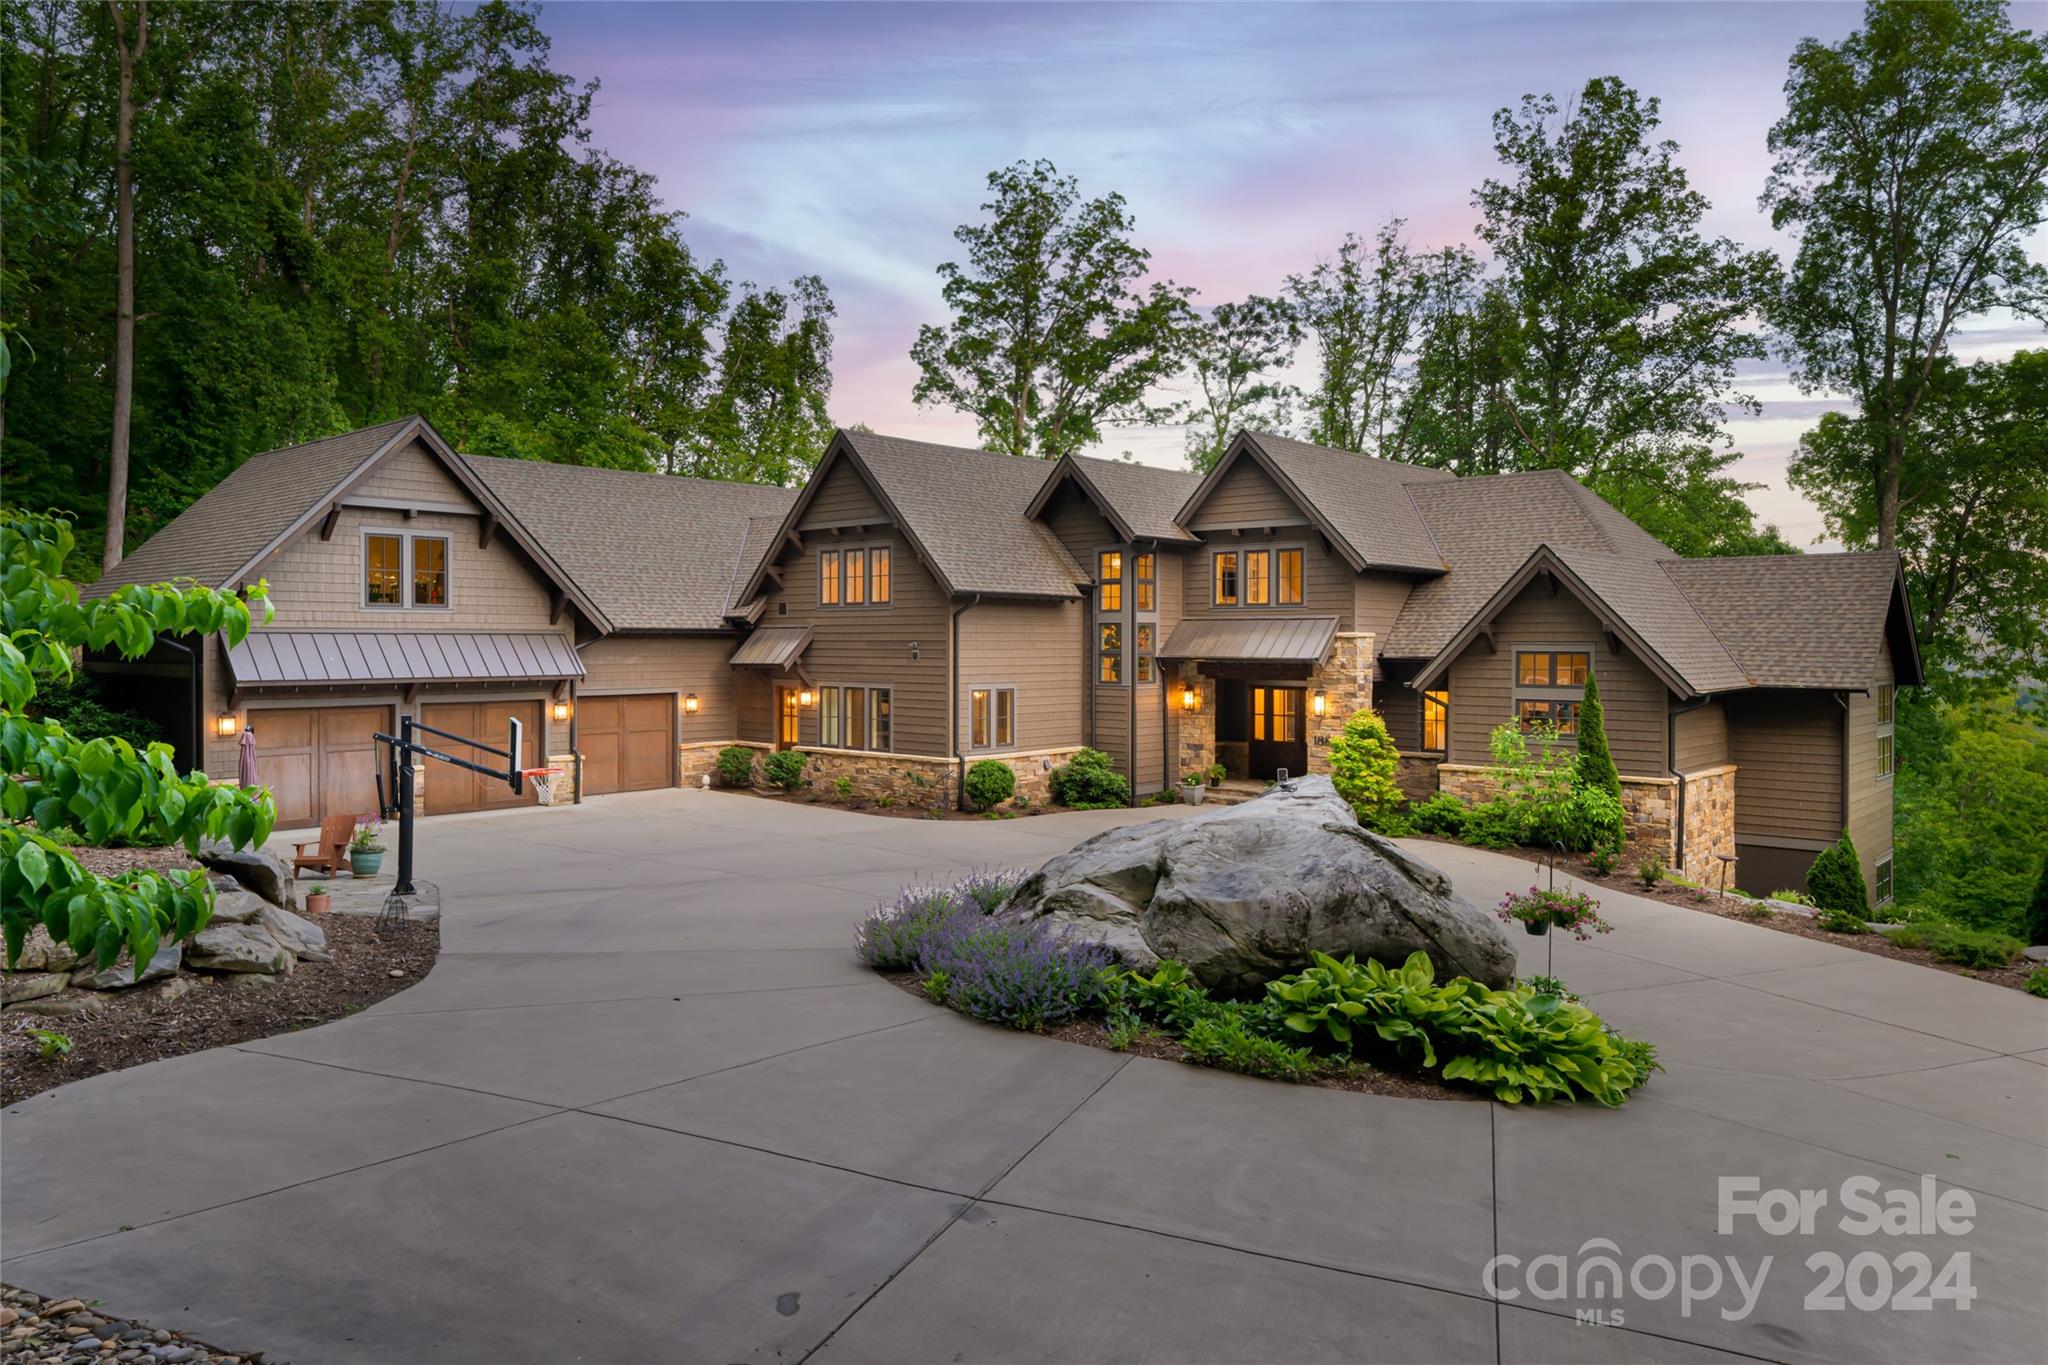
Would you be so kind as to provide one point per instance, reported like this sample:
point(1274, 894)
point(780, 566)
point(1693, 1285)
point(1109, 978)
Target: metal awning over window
point(772, 647)
point(1234, 638)
point(342, 657)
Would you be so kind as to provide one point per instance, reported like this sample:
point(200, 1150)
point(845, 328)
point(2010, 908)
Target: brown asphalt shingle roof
point(1364, 500)
point(1796, 620)
point(215, 538)
point(1147, 497)
point(966, 508)
point(1643, 595)
point(653, 551)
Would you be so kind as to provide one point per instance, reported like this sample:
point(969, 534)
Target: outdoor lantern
point(805, 697)
point(225, 725)
point(1188, 697)
point(561, 711)
point(690, 704)
point(1321, 702)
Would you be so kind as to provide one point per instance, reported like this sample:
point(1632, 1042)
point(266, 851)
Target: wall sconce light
point(806, 697)
point(1320, 702)
point(560, 710)
point(225, 725)
point(690, 704)
point(1189, 698)
point(913, 651)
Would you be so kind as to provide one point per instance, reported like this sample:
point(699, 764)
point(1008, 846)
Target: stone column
point(1197, 727)
point(1345, 681)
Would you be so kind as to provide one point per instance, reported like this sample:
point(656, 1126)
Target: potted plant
point(318, 902)
point(365, 852)
point(1539, 908)
point(1217, 772)
point(1191, 789)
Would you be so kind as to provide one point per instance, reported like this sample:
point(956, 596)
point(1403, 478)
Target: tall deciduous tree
point(1235, 356)
point(1056, 330)
point(1912, 163)
point(130, 46)
point(767, 422)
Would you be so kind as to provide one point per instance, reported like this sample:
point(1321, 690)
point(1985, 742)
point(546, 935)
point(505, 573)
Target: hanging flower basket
point(1539, 908)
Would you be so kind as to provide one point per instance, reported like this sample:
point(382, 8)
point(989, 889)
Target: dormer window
point(402, 570)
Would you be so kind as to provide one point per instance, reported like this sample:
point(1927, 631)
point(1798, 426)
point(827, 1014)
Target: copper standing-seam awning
point(772, 647)
point(399, 656)
point(1253, 639)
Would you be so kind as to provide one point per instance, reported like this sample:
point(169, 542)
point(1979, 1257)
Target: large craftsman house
point(915, 608)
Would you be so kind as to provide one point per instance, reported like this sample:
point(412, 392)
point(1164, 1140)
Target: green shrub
point(1396, 819)
point(1362, 764)
point(1589, 819)
point(1494, 824)
point(989, 783)
point(1443, 814)
point(1908, 936)
point(1841, 921)
point(842, 787)
point(78, 705)
point(1090, 781)
point(1976, 948)
point(2037, 910)
point(1835, 881)
point(1223, 1042)
point(785, 768)
point(1791, 897)
point(736, 766)
point(2037, 982)
point(1595, 768)
point(1650, 872)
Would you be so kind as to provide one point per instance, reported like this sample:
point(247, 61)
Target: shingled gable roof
point(1806, 620)
point(1361, 504)
point(655, 551)
point(963, 512)
point(1140, 500)
point(225, 537)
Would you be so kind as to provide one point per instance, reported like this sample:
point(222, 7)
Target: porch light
point(1320, 702)
point(1189, 698)
point(225, 725)
point(806, 697)
point(560, 710)
point(690, 704)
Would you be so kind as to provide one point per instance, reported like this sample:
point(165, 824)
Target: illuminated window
point(1110, 646)
point(1145, 633)
point(1288, 587)
point(1884, 730)
point(1436, 714)
point(856, 578)
point(878, 575)
point(1147, 566)
point(383, 571)
point(1109, 578)
point(828, 716)
point(828, 579)
point(1226, 579)
point(1563, 714)
point(854, 717)
point(429, 571)
point(404, 571)
point(1258, 589)
point(1286, 714)
point(992, 718)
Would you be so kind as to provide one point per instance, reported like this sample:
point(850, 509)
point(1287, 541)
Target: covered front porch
point(1263, 695)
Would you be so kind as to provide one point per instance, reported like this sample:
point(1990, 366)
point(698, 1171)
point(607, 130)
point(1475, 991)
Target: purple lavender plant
point(987, 888)
point(1021, 973)
point(892, 936)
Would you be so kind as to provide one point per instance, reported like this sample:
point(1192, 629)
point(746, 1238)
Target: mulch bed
point(141, 1024)
point(1361, 1079)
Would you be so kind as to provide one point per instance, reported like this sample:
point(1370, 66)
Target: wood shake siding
point(1327, 587)
point(413, 472)
point(1870, 796)
point(1036, 649)
point(1399, 705)
point(676, 664)
point(1377, 599)
point(1787, 750)
point(1702, 736)
point(1482, 683)
point(843, 499)
point(1246, 496)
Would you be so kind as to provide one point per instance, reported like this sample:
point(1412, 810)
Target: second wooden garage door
point(453, 790)
point(628, 743)
point(319, 760)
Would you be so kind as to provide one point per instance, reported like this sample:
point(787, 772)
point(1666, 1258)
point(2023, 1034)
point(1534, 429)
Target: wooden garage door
point(320, 761)
point(628, 743)
point(451, 790)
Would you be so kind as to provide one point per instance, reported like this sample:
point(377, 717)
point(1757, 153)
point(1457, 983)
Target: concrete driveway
point(648, 1108)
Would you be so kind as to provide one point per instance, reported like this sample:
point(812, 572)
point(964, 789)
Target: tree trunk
point(1888, 489)
point(125, 58)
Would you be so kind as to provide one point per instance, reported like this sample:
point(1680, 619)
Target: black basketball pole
point(405, 744)
point(404, 755)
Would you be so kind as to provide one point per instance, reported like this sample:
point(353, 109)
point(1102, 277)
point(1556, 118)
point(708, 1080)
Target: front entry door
point(1278, 738)
point(788, 712)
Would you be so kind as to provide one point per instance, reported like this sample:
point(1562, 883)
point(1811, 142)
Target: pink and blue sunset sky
point(850, 139)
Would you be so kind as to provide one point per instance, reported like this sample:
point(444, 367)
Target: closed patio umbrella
point(246, 774)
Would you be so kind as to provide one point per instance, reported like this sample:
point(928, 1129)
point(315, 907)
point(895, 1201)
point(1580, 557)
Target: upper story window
point(1288, 581)
point(1147, 637)
point(1549, 685)
point(1147, 566)
point(854, 578)
point(1109, 580)
point(1226, 579)
point(401, 570)
point(1884, 730)
point(1110, 646)
point(1258, 578)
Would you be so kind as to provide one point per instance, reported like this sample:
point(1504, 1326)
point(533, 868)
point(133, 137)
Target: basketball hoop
point(543, 780)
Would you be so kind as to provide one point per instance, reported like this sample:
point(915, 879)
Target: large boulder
point(1244, 894)
point(305, 938)
point(238, 948)
point(268, 875)
point(237, 906)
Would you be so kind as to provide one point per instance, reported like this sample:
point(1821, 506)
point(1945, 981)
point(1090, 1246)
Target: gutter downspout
point(1842, 700)
point(1671, 766)
point(953, 702)
point(1131, 634)
point(576, 714)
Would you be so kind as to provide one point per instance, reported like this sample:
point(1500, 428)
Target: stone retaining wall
point(1709, 824)
point(1416, 775)
point(1649, 805)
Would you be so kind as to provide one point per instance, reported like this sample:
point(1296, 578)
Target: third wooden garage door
point(628, 742)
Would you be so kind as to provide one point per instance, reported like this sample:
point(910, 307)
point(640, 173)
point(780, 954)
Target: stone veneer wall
point(1197, 727)
point(1709, 824)
point(925, 782)
point(1345, 679)
point(1650, 805)
point(1415, 774)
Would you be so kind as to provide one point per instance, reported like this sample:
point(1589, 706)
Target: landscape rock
point(68, 1005)
point(19, 987)
point(268, 875)
point(238, 948)
point(305, 938)
point(166, 962)
point(177, 988)
point(1245, 893)
point(40, 954)
point(237, 906)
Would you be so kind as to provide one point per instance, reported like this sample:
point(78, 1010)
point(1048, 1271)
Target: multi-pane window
point(878, 575)
point(1436, 720)
point(1110, 646)
point(992, 718)
point(854, 578)
point(1884, 730)
point(1226, 579)
point(1276, 714)
point(1549, 685)
point(854, 718)
point(1882, 875)
point(1258, 587)
point(1109, 579)
point(404, 571)
point(1145, 636)
point(1147, 566)
point(1287, 587)
point(828, 578)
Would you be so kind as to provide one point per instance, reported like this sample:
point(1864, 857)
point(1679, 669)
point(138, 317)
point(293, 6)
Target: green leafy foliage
point(79, 706)
point(785, 768)
point(842, 787)
point(1234, 355)
point(1841, 921)
point(1835, 881)
point(1566, 908)
point(989, 783)
point(1089, 781)
point(1443, 814)
point(1595, 768)
point(50, 1043)
point(1651, 871)
point(1225, 1043)
point(2037, 982)
point(1971, 800)
point(2037, 911)
point(1976, 948)
point(1363, 760)
point(736, 765)
point(103, 787)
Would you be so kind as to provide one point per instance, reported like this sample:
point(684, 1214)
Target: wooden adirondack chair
point(330, 850)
